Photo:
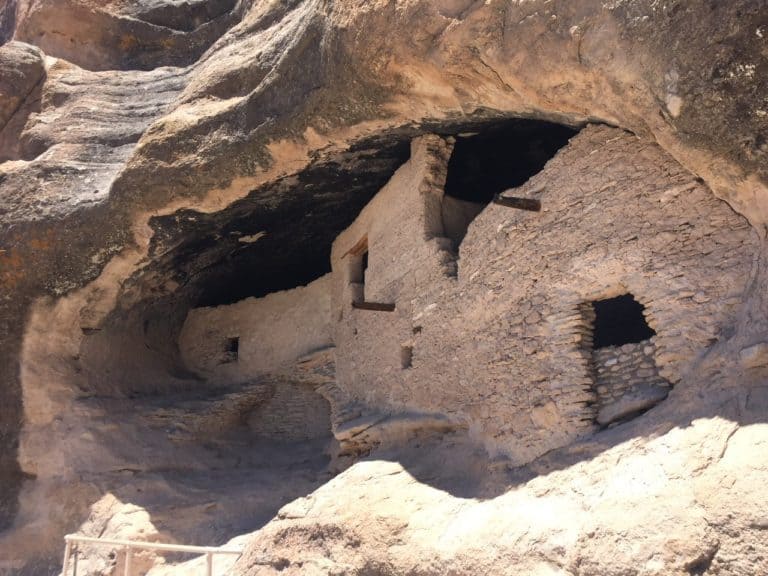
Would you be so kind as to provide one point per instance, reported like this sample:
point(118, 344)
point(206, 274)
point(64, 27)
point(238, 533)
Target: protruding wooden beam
point(377, 306)
point(360, 247)
point(530, 204)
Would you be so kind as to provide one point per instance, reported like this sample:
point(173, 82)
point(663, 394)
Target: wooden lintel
point(360, 247)
point(377, 306)
point(520, 203)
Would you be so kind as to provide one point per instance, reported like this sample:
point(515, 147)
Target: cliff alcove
point(417, 287)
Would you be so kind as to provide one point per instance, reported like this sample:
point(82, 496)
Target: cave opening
point(488, 162)
point(618, 321)
point(274, 239)
point(278, 237)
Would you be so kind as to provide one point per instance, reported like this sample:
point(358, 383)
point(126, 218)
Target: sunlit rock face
point(168, 164)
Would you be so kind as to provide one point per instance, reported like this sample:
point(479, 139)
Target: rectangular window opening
point(358, 268)
point(231, 350)
point(406, 357)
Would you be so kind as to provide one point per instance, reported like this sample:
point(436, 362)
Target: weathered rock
point(631, 510)
point(21, 69)
point(755, 356)
point(124, 35)
point(180, 128)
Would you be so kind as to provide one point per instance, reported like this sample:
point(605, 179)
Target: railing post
point(76, 549)
point(67, 553)
point(128, 560)
point(209, 563)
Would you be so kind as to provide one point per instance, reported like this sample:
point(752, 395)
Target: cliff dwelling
point(383, 288)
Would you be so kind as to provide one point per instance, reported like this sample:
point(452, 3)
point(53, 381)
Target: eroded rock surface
point(124, 35)
point(644, 506)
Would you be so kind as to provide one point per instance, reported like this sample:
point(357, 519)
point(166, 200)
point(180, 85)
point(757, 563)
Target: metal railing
point(72, 543)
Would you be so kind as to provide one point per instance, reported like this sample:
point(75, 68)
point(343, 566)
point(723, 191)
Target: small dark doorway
point(364, 268)
point(620, 321)
point(231, 350)
point(406, 356)
point(358, 268)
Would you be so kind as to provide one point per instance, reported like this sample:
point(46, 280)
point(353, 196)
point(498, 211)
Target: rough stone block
point(641, 398)
point(700, 298)
point(757, 400)
point(755, 356)
point(350, 429)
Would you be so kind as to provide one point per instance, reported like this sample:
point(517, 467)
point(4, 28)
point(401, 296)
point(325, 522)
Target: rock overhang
point(279, 236)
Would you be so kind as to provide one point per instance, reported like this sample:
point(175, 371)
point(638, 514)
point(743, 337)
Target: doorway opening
point(491, 161)
point(230, 350)
point(618, 321)
point(626, 379)
point(358, 269)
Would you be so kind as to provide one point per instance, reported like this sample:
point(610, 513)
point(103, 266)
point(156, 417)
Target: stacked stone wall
point(271, 332)
point(407, 255)
point(620, 368)
point(295, 412)
point(625, 375)
point(493, 333)
point(502, 345)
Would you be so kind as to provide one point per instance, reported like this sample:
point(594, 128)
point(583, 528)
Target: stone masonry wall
point(495, 338)
point(627, 380)
point(273, 332)
point(294, 412)
point(408, 256)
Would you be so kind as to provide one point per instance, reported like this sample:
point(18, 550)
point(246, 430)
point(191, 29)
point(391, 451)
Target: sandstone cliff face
point(140, 142)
